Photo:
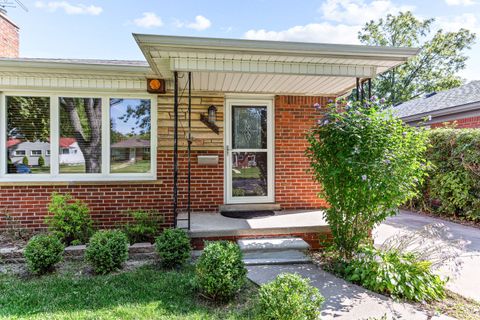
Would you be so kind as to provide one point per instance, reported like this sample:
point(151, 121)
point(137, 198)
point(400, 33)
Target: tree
point(368, 162)
point(433, 69)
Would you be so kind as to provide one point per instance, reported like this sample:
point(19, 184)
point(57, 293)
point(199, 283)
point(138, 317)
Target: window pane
point(80, 145)
point(249, 127)
point(130, 135)
point(249, 174)
point(28, 129)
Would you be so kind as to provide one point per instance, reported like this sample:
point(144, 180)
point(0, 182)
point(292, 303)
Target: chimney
point(9, 37)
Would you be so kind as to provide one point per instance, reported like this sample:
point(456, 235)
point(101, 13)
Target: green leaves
point(107, 250)
point(42, 253)
point(368, 163)
point(433, 69)
point(173, 247)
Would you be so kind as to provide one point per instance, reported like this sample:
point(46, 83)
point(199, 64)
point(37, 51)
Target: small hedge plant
point(144, 226)
point(107, 250)
point(399, 275)
point(288, 297)
point(173, 247)
point(70, 220)
point(42, 252)
point(220, 272)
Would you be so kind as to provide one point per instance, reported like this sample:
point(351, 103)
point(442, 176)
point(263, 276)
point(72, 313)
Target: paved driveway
point(464, 270)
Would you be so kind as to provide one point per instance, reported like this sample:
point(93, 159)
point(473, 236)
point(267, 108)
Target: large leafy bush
point(173, 247)
point(368, 163)
point(42, 253)
point(107, 250)
point(220, 272)
point(144, 226)
point(453, 188)
point(400, 275)
point(288, 297)
point(70, 220)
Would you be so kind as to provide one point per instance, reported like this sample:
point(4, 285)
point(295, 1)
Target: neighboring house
point(131, 150)
point(18, 149)
point(460, 105)
point(70, 152)
point(272, 86)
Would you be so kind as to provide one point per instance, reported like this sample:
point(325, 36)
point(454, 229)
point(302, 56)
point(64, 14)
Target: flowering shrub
point(368, 163)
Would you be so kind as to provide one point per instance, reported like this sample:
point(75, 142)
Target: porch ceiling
point(252, 66)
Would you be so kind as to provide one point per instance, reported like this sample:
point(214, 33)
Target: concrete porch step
point(275, 257)
point(273, 244)
point(249, 207)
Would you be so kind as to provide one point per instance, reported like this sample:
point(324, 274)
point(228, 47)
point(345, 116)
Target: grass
point(146, 293)
point(247, 173)
point(77, 168)
point(139, 166)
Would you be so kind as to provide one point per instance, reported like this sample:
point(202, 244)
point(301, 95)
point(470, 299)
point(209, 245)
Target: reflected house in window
point(70, 152)
point(19, 148)
point(131, 150)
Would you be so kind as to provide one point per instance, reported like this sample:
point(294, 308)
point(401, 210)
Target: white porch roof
point(269, 67)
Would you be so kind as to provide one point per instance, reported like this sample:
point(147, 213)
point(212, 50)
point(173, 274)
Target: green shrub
point(25, 160)
point(220, 272)
point(368, 162)
point(173, 247)
point(400, 275)
point(70, 220)
point(288, 297)
point(143, 227)
point(41, 161)
point(42, 253)
point(453, 188)
point(107, 250)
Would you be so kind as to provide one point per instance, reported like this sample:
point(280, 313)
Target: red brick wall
point(294, 187)
point(472, 122)
point(9, 43)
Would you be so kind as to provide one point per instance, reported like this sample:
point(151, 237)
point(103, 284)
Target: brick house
point(460, 105)
point(262, 93)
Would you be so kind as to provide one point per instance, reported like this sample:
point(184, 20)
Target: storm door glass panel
point(28, 134)
point(130, 135)
point(249, 127)
point(249, 152)
point(80, 145)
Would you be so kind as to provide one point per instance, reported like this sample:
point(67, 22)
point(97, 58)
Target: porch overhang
point(273, 67)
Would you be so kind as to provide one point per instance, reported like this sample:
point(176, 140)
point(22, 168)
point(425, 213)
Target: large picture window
point(68, 138)
point(27, 134)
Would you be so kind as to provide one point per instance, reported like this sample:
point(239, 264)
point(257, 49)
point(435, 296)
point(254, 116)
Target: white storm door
point(249, 151)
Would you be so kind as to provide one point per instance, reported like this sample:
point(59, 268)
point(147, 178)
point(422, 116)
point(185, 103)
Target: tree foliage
point(368, 163)
point(435, 67)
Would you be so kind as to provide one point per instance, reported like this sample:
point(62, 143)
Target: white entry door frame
point(242, 181)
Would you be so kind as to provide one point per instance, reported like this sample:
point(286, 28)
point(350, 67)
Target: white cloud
point(69, 8)
point(201, 23)
point(312, 32)
point(459, 2)
point(356, 12)
point(467, 21)
point(148, 20)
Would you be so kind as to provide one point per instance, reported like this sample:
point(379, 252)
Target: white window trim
point(20, 155)
point(55, 175)
point(36, 155)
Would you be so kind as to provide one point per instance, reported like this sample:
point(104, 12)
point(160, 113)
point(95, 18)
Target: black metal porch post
point(175, 147)
point(369, 88)
point(189, 145)
point(358, 89)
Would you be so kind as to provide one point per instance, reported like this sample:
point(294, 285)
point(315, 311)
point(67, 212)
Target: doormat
point(247, 214)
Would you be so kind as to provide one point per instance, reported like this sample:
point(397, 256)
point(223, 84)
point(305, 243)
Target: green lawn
point(247, 173)
point(146, 293)
point(139, 166)
point(77, 168)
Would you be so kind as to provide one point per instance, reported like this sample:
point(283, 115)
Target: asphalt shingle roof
point(466, 94)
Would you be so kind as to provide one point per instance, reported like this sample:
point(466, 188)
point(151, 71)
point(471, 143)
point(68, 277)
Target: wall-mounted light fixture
point(210, 118)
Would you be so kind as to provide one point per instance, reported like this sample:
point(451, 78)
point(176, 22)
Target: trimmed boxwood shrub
point(288, 297)
point(453, 186)
point(107, 250)
point(173, 247)
point(42, 252)
point(220, 272)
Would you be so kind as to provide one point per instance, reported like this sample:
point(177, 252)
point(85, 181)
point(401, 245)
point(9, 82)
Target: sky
point(103, 29)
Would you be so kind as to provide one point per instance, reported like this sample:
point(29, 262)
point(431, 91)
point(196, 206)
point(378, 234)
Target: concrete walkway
point(463, 271)
point(343, 300)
